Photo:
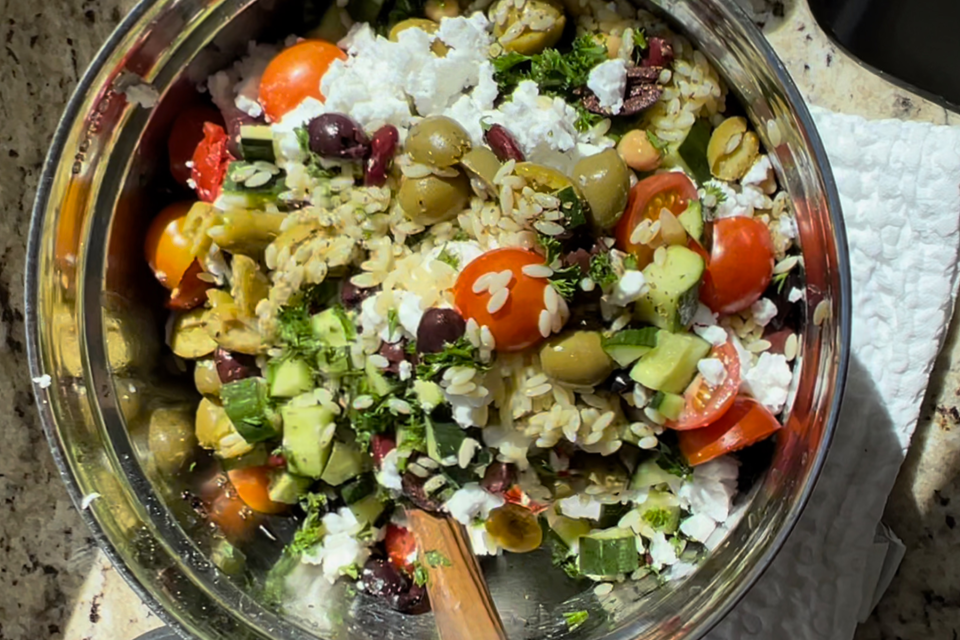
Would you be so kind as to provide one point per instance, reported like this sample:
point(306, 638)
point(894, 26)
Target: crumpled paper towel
point(899, 185)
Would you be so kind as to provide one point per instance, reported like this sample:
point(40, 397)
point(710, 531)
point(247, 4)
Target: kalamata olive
point(381, 579)
point(620, 382)
point(233, 366)
point(334, 135)
point(395, 353)
point(414, 492)
point(414, 600)
point(439, 327)
point(604, 180)
point(382, 148)
point(503, 144)
point(659, 53)
point(499, 477)
point(576, 358)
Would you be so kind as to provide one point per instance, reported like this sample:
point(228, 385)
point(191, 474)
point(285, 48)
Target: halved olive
point(437, 141)
point(732, 149)
point(576, 358)
point(604, 180)
point(482, 164)
point(535, 26)
point(190, 338)
point(515, 528)
point(434, 199)
point(206, 378)
point(423, 24)
point(171, 439)
point(212, 424)
point(542, 178)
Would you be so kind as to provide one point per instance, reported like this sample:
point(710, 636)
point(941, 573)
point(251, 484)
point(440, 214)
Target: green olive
point(212, 424)
point(732, 149)
point(515, 528)
point(439, 9)
point(434, 199)
point(576, 358)
point(171, 439)
point(206, 378)
point(604, 180)
point(542, 178)
point(482, 164)
point(437, 141)
point(535, 26)
point(190, 338)
point(423, 24)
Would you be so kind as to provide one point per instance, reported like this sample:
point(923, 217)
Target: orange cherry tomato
point(186, 134)
point(210, 162)
point(746, 423)
point(253, 486)
point(166, 248)
point(401, 547)
point(706, 403)
point(191, 291)
point(234, 519)
point(294, 75)
point(740, 265)
point(516, 325)
point(672, 191)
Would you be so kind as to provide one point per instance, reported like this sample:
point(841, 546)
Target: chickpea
point(612, 43)
point(438, 9)
point(638, 152)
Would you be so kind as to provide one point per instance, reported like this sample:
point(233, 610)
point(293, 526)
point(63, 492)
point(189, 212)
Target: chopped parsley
point(565, 281)
point(459, 354)
point(640, 39)
point(436, 559)
point(601, 270)
point(448, 258)
point(551, 248)
point(658, 143)
point(672, 461)
point(575, 619)
point(713, 189)
point(461, 236)
point(315, 168)
point(311, 532)
point(571, 206)
point(353, 571)
point(630, 263)
point(420, 577)
point(657, 518)
point(296, 329)
point(586, 119)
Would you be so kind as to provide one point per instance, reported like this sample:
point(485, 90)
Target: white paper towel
point(899, 186)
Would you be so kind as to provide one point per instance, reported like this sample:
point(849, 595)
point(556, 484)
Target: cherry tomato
point(705, 404)
point(210, 161)
point(295, 74)
point(235, 520)
point(186, 134)
point(746, 423)
point(401, 547)
point(672, 191)
point(252, 484)
point(515, 325)
point(515, 495)
point(740, 265)
point(166, 248)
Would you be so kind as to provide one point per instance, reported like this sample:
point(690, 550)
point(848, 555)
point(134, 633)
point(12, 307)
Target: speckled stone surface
point(54, 584)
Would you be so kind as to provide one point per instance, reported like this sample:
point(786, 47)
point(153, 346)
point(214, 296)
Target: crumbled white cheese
point(608, 80)
point(142, 94)
point(470, 502)
point(43, 381)
point(581, 506)
point(715, 335)
point(482, 543)
point(711, 490)
point(795, 295)
point(769, 381)
point(763, 310)
point(698, 527)
point(405, 370)
point(340, 549)
point(662, 553)
point(629, 288)
point(787, 227)
point(713, 371)
point(409, 311)
point(389, 474)
point(464, 252)
point(760, 175)
point(512, 444)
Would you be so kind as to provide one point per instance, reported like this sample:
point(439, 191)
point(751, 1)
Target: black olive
point(414, 600)
point(234, 366)
point(382, 579)
point(620, 382)
point(499, 477)
point(439, 327)
point(395, 353)
point(414, 492)
point(334, 135)
point(351, 295)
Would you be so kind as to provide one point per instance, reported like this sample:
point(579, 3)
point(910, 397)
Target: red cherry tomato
point(705, 404)
point(380, 446)
point(294, 75)
point(672, 191)
point(516, 325)
point(740, 265)
point(186, 134)
point(210, 161)
point(252, 484)
point(401, 547)
point(746, 423)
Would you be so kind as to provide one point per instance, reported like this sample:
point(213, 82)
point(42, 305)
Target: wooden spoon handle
point(459, 597)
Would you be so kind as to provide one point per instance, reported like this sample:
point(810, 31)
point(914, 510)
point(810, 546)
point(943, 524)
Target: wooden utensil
point(459, 597)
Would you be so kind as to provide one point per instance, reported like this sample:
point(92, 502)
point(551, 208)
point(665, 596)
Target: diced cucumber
point(236, 193)
point(650, 474)
point(660, 512)
point(307, 438)
point(430, 394)
point(368, 510)
point(257, 457)
point(692, 220)
point(333, 362)
point(248, 408)
point(610, 514)
point(290, 378)
point(359, 488)
point(609, 552)
point(333, 327)
point(228, 558)
point(379, 385)
point(444, 440)
point(672, 364)
point(569, 530)
point(674, 288)
point(693, 150)
point(256, 143)
point(287, 488)
point(670, 405)
point(627, 346)
point(345, 462)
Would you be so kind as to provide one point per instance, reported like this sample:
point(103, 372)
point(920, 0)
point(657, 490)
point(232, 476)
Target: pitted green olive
point(576, 358)
point(434, 199)
point(542, 178)
point(482, 164)
point(171, 439)
point(437, 141)
point(423, 24)
point(604, 180)
point(212, 424)
point(206, 378)
point(732, 149)
point(534, 26)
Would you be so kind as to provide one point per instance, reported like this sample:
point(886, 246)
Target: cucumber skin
point(608, 557)
point(245, 402)
point(672, 364)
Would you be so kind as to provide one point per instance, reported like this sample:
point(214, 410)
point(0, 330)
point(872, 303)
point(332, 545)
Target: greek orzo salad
point(522, 263)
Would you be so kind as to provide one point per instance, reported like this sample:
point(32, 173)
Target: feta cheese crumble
point(628, 289)
point(795, 295)
point(581, 506)
point(340, 548)
point(713, 371)
point(470, 502)
point(389, 474)
point(710, 490)
point(608, 80)
point(662, 553)
point(43, 381)
point(763, 310)
point(768, 380)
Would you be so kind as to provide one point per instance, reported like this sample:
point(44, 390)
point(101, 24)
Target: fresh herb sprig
point(601, 270)
point(458, 354)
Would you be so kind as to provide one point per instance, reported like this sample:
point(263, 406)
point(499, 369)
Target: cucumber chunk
point(650, 474)
point(569, 530)
point(670, 405)
point(672, 364)
point(693, 151)
point(307, 438)
point(368, 510)
point(444, 440)
point(358, 488)
point(333, 327)
point(692, 220)
point(674, 291)
point(345, 463)
point(290, 378)
point(333, 362)
point(248, 408)
point(609, 552)
point(256, 143)
point(430, 394)
point(627, 346)
point(660, 512)
point(236, 193)
point(287, 488)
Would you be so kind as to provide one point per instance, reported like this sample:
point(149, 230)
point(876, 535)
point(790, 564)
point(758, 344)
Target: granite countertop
point(55, 584)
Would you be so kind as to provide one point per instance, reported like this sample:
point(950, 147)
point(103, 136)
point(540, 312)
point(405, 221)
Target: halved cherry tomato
point(706, 403)
point(210, 161)
point(740, 265)
point(186, 134)
point(401, 547)
point(746, 423)
point(672, 191)
point(515, 325)
point(253, 486)
point(166, 248)
point(235, 520)
point(295, 74)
